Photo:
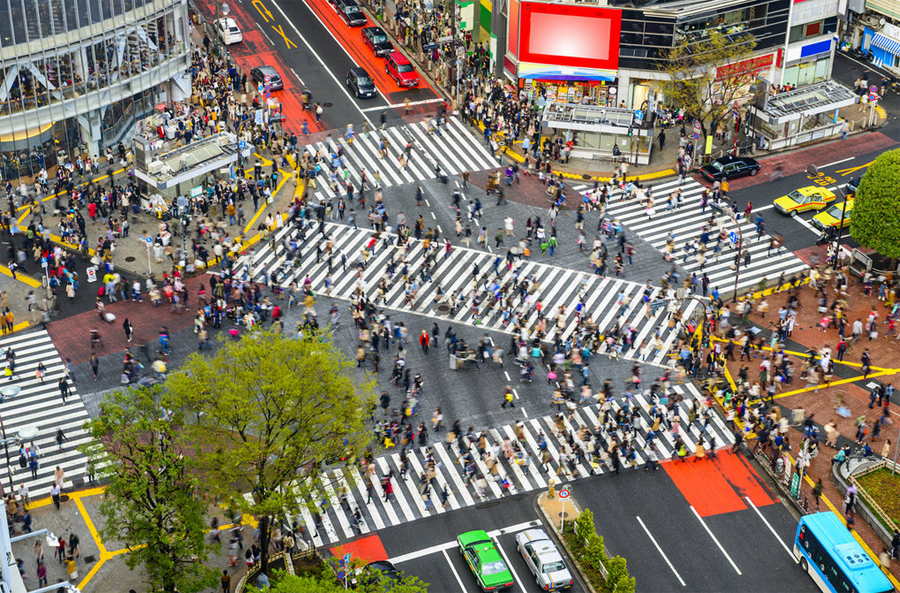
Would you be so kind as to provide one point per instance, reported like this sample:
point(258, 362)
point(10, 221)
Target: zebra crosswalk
point(606, 301)
point(344, 509)
point(686, 223)
point(39, 405)
point(455, 150)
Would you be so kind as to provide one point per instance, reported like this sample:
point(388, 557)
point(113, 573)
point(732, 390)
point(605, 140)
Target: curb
point(560, 540)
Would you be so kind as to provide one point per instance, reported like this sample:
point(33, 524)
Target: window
point(813, 29)
point(796, 34)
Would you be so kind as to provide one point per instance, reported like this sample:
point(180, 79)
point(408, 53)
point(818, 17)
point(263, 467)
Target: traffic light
point(630, 131)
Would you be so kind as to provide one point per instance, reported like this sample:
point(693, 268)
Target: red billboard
point(569, 35)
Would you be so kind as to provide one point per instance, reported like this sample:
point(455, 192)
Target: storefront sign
point(569, 35)
point(752, 66)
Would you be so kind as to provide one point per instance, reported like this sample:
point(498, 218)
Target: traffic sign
point(44, 262)
point(242, 145)
point(92, 274)
point(873, 97)
point(268, 78)
point(696, 126)
point(347, 557)
point(268, 94)
point(873, 89)
point(149, 241)
point(696, 135)
point(733, 237)
point(259, 87)
point(638, 114)
point(564, 493)
point(341, 574)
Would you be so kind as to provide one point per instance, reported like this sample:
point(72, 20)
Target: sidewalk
point(848, 388)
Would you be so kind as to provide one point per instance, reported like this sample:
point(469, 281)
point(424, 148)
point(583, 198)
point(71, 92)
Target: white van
point(229, 32)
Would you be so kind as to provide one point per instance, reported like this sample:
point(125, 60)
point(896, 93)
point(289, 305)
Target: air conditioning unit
point(156, 167)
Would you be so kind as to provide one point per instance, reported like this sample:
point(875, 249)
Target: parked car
point(831, 218)
point(229, 32)
point(351, 13)
point(543, 560)
point(377, 39)
point(259, 74)
point(811, 197)
point(853, 184)
point(729, 167)
point(381, 573)
point(359, 81)
point(484, 560)
point(399, 68)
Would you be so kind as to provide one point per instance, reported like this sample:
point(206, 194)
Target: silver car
point(544, 560)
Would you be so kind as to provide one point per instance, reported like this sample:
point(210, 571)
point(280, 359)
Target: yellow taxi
point(804, 199)
point(831, 218)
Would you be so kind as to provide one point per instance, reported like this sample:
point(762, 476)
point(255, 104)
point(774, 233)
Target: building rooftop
point(589, 114)
point(809, 100)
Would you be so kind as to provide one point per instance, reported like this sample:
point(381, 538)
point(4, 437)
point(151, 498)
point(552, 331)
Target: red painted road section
point(351, 39)
point(714, 487)
point(365, 550)
point(796, 162)
point(254, 51)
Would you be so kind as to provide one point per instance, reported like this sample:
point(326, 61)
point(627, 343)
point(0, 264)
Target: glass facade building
point(75, 75)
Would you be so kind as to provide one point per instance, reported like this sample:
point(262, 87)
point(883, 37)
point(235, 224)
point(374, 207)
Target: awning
point(889, 45)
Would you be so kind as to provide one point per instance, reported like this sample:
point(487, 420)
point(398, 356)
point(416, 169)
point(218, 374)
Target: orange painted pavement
point(364, 550)
point(744, 479)
point(714, 487)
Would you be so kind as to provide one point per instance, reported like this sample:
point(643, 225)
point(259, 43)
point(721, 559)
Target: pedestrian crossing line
point(312, 528)
point(39, 404)
point(687, 222)
point(553, 286)
point(399, 509)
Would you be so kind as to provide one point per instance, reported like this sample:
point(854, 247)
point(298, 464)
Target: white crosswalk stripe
point(39, 405)
point(687, 221)
point(406, 503)
point(455, 150)
point(558, 286)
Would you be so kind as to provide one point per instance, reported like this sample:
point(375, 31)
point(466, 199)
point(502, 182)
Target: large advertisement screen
point(569, 35)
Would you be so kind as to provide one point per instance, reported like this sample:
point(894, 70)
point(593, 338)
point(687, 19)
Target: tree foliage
point(702, 76)
point(876, 208)
point(151, 503)
point(273, 413)
point(326, 583)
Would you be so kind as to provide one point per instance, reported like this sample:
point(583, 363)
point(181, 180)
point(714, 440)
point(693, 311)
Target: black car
point(375, 38)
point(359, 81)
point(382, 573)
point(351, 13)
point(729, 167)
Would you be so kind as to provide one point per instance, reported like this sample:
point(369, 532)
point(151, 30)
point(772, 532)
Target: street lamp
point(813, 171)
point(6, 393)
point(222, 9)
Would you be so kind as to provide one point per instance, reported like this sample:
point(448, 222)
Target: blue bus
point(834, 559)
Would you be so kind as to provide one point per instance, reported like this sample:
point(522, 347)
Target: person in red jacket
point(424, 341)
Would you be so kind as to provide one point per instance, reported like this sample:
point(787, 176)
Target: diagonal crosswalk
point(609, 302)
point(39, 405)
point(455, 150)
point(687, 221)
point(343, 492)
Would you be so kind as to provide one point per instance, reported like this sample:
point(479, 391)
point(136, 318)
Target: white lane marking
point(661, 553)
point(452, 544)
point(425, 102)
point(769, 525)
point(319, 58)
point(837, 162)
point(297, 75)
point(433, 216)
point(427, 203)
point(440, 230)
point(808, 226)
point(507, 375)
point(721, 549)
point(455, 574)
point(516, 393)
point(508, 563)
point(525, 412)
point(761, 208)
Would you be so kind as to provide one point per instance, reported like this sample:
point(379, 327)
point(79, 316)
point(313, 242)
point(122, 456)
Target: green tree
point(617, 569)
point(876, 208)
point(702, 76)
point(326, 583)
point(584, 525)
point(273, 414)
point(152, 502)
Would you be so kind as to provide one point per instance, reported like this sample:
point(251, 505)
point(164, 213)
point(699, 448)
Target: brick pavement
point(822, 406)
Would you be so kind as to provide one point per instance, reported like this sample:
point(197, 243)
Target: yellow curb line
point(644, 177)
point(23, 278)
point(803, 355)
point(828, 503)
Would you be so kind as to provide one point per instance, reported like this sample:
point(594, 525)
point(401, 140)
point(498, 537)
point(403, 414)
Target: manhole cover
point(564, 515)
point(443, 309)
point(327, 104)
point(129, 259)
point(89, 559)
point(585, 176)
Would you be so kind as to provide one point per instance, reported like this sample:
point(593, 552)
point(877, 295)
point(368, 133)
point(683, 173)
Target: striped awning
point(892, 46)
